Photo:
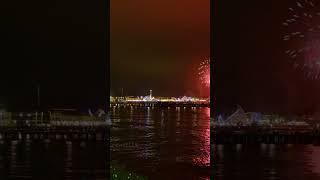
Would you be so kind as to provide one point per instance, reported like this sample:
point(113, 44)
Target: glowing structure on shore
point(151, 98)
point(302, 33)
point(204, 72)
point(158, 99)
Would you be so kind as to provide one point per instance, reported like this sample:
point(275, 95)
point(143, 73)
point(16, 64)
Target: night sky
point(61, 45)
point(158, 45)
point(251, 67)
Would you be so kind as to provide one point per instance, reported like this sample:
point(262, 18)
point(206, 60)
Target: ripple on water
point(169, 141)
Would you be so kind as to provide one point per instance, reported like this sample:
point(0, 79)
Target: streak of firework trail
point(204, 72)
point(302, 35)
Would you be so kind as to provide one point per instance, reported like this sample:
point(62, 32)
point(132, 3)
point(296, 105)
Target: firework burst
point(303, 37)
point(204, 72)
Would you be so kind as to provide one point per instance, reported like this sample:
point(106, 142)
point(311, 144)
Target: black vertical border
point(212, 86)
point(107, 82)
point(107, 56)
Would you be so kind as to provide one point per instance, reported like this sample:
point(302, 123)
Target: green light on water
point(119, 174)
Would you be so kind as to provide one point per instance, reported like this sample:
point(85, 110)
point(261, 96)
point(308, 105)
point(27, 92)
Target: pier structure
point(159, 104)
point(52, 127)
point(253, 128)
point(151, 101)
point(262, 135)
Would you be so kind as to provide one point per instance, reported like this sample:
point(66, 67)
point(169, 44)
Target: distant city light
point(150, 98)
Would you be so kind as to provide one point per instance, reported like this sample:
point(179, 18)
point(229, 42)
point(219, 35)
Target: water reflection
point(267, 161)
point(169, 143)
point(68, 159)
point(313, 157)
point(52, 160)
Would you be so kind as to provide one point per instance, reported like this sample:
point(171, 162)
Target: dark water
point(52, 160)
point(283, 162)
point(162, 143)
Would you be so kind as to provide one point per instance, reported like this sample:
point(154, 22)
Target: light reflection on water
point(267, 161)
point(52, 160)
point(162, 143)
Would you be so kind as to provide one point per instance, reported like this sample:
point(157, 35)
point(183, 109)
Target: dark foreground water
point(162, 143)
point(283, 162)
point(52, 160)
